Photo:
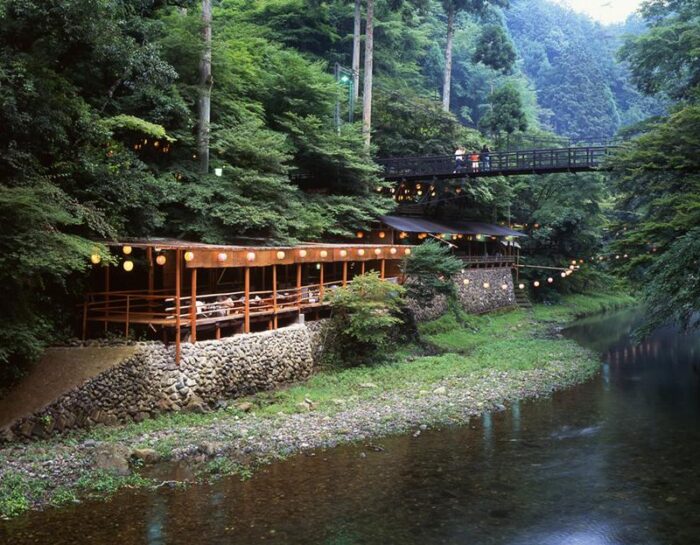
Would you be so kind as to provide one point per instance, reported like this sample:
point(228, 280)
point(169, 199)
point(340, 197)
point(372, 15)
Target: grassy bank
point(477, 363)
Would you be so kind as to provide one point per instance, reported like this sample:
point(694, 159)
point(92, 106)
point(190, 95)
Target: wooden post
point(274, 296)
point(345, 273)
point(382, 268)
point(85, 313)
point(362, 268)
point(151, 277)
point(126, 323)
point(193, 307)
point(178, 279)
point(320, 281)
point(106, 296)
point(246, 307)
point(299, 284)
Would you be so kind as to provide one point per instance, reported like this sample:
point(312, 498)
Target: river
point(613, 461)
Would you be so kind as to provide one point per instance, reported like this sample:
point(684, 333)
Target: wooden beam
point(382, 268)
point(345, 273)
point(178, 272)
point(193, 307)
point(246, 307)
point(362, 268)
point(274, 296)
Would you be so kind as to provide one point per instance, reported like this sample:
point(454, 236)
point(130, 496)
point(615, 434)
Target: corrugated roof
point(423, 225)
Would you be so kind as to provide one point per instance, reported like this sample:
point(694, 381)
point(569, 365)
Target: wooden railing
point(159, 308)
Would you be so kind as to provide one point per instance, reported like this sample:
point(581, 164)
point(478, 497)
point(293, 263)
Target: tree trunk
point(367, 90)
point(447, 81)
point(205, 84)
point(356, 50)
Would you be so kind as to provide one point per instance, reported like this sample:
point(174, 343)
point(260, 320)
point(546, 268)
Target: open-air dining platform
point(177, 288)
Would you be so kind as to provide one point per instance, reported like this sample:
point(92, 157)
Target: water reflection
point(614, 461)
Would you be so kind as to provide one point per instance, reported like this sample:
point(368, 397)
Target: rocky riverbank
point(485, 365)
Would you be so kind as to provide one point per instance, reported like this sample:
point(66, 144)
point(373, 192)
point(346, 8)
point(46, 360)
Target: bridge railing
point(521, 161)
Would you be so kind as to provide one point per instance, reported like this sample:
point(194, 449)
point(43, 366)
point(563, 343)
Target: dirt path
point(58, 371)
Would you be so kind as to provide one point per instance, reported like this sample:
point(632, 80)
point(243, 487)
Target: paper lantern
point(128, 265)
point(343, 253)
point(189, 256)
point(95, 258)
point(377, 251)
point(465, 281)
point(160, 259)
point(250, 256)
point(360, 252)
point(324, 253)
point(393, 251)
point(382, 234)
point(563, 275)
point(536, 283)
point(486, 285)
point(521, 286)
point(222, 256)
point(360, 234)
point(281, 255)
point(504, 286)
point(302, 253)
point(407, 251)
point(126, 250)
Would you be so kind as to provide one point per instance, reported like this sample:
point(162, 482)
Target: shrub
point(430, 270)
point(363, 316)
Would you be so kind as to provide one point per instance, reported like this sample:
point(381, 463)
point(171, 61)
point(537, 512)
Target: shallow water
point(613, 461)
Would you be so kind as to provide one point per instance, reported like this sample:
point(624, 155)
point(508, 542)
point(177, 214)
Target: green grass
point(466, 346)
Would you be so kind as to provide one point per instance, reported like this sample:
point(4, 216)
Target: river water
point(613, 461)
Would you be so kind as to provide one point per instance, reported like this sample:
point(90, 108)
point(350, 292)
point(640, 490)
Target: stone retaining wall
point(484, 290)
point(149, 382)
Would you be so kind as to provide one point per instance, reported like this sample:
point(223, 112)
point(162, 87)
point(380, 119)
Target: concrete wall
point(149, 382)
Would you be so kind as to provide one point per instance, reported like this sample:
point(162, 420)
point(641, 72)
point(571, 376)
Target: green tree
point(506, 113)
point(430, 270)
point(495, 50)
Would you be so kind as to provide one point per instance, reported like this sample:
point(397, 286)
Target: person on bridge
point(474, 158)
point(485, 158)
point(459, 159)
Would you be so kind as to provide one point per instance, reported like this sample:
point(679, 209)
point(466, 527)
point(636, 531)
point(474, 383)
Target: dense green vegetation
point(99, 106)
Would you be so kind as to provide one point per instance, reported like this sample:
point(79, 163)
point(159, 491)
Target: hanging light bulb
point(160, 259)
point(95, 258)
point(536, 283)
point(563, 275)
point(521, 286)
point(128, 265)
point(126, 250)
point(550, 280)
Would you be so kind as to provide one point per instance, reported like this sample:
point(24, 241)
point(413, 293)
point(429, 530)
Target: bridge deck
point(510, 163)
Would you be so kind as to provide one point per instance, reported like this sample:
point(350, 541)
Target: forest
point(99, 108)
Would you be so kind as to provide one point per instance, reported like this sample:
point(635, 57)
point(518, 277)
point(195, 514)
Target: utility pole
point(367, 90)
point(205, 85)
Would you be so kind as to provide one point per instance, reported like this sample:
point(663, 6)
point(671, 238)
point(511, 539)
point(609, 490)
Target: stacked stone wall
point(484, 290)
point(149, 382)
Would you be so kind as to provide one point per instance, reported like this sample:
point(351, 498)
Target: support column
point(320, 287)
point(345, 273)
point(246, 307)
point(106, 296)
point(193, 307)
point(274, 296)
point(362, 268)
point(382, 268)
point(299, 265)
point(178, 281)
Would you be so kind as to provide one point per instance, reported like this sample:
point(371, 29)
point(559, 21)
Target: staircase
point(522, 299)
